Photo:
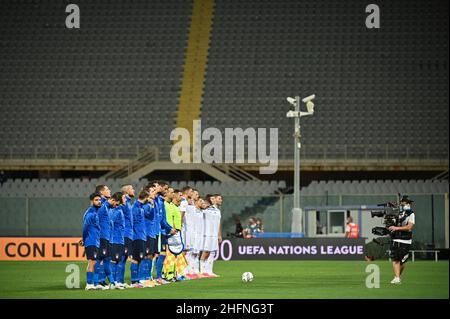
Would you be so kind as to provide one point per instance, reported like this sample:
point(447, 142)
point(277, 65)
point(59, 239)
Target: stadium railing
point(73, 152)
point(285, 151)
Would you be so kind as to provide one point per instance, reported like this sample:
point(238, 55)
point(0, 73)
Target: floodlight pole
point(297, 225)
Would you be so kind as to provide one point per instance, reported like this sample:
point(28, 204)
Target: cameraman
point(402, 239)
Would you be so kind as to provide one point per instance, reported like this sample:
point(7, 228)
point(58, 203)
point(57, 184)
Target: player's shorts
point(138, 249)
point(152, 245)
point(187, 240)
point(103, 251)
point(399, 251)
point(148, 246)
point(128, 247)
point(210, 244)
point(117, 251)
point(184, 235)
point(91, 252)
point(162, 242)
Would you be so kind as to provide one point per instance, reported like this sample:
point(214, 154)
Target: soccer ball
point(247, 276)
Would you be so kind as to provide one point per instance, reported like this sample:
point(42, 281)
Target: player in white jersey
point(185, 199)
point(194, 224)
point(187, 207)
point(199, 225)
point(189, 224)
point(212, 235)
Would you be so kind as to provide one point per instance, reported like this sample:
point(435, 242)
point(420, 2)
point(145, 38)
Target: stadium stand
point(115, 86)
point(126, 62)
point(366, 82)
point(113, 81)
point(82, 188)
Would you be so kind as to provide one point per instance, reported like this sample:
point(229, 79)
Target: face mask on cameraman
point(406, 207)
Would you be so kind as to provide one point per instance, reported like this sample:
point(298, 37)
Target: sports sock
point(149, 268)
point(202, 267)
point(211, 262)
point(153, 266)
point(97, 273)
point(108, 271)
point(114, 273)
point(159, 265)
point(90, 277)
point(134, 268)
point(193, 264)
point(206, 265)
point(121, 270)
point(101, 272)
point(197, 269)
point(186, 270)
point(143, 276)
point(142, 269)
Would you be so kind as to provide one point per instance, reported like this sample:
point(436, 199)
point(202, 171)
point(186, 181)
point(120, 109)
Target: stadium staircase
point(190, 101)
point(141, 161)
point(189, 104)
point(441, 176)
point(192, 85)
point(148, 161)
point(235, 172)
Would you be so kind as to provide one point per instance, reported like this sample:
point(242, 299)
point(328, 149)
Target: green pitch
point(273, 279)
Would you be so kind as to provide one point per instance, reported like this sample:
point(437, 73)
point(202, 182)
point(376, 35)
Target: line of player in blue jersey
point(116, 229)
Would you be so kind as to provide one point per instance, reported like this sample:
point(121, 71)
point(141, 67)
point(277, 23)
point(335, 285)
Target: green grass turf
point(273, 279)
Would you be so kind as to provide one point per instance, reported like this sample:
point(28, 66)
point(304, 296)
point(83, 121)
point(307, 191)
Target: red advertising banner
point(41, 248)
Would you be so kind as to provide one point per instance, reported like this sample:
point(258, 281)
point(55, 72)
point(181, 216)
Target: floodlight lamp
point(291, 100)
point(310, 107)
point(309, 98)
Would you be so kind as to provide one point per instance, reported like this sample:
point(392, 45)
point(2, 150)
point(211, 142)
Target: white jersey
point(211, 229)
point(188, 226)
point(212, 222)
point(197, 229)
point(182, 208)
point(183, 204)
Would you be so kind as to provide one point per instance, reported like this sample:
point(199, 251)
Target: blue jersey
point(150, 220)
point(103, 200)
point(126, 209)
point(164, 227)
point(104, 218)
point(118, 222)
point(138, 221)
point(157, 224)
point(91, 228)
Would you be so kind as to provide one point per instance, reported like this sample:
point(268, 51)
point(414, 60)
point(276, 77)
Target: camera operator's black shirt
point(411, 218)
